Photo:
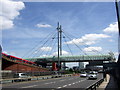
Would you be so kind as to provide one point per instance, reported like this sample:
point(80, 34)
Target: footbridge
point(78, 58)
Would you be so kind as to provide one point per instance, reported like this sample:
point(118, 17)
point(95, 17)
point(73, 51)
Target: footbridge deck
point(79, 58)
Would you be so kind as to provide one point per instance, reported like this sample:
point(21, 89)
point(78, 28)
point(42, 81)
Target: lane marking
point(29, 86)
point(64, 85)
point(59, 87)
point(69, 84)
point(73, 83)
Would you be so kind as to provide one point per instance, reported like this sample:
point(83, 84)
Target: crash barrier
point(10, 74)
point(95, 85)
point(13, 80)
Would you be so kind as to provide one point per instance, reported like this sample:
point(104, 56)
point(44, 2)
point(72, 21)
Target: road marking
point(69, 84)
point(64, 85)
point(73, 83)
point(29, 86)
point(59, 87)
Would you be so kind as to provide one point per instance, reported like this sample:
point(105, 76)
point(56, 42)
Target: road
point(56, 83)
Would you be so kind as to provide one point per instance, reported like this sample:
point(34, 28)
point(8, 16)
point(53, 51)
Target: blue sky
point(83, 20)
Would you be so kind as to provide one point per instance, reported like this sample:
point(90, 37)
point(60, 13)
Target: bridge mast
point(59, 29)
point(60, 40)
point(58, 46)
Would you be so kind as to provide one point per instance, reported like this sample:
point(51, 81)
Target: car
point(20, 75)
point(92, 75)
point(84, 74)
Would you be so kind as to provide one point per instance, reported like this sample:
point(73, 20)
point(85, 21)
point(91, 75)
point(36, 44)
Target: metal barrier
point(13, 80)
point(10, 74)
point(95, 85)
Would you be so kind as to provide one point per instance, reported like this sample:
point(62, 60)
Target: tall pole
point(58, 46)
point(59, 29)
point(60, 40)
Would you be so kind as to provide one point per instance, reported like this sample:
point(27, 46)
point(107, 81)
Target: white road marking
point(29, 86)
point(69, 84)
point(64, 85)
point(73, 83)
point(59, 87)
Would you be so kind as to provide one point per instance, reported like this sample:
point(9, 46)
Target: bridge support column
point(81, 65)
point(54, 68)
point(64, 65)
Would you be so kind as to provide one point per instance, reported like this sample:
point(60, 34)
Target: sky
point(26, 26)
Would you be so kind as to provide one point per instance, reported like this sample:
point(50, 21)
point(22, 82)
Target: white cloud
point(43, 25)
point(63, 53)
point(92, 49)
point(88, 39)
point(112, 28)
point(46, 48)
point(9, 11)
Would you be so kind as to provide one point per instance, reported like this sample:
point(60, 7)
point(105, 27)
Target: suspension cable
point(32, 50)
point(43, 45)
point(52, 43)
point(84, 44)
point(78, 46)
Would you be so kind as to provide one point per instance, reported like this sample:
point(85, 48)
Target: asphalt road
point(56, 83)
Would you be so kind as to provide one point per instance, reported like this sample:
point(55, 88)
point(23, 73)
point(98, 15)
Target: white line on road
point(64, 85)
point(29, 86)
point(59, 87)
point(69, 84)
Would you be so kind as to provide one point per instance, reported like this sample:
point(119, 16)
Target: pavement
point(108, 83)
